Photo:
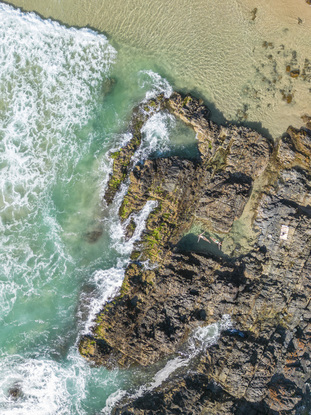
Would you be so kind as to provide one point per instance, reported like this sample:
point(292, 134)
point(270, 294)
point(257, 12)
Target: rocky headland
point(249, 199)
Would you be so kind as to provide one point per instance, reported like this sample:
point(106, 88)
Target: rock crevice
point(250, 201)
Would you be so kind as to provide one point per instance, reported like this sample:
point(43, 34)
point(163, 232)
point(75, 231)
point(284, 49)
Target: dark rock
point(256, 198)
point(295, 73)
point(200, 314)
point(254, 13)
point(134, 301)
point(15, 392)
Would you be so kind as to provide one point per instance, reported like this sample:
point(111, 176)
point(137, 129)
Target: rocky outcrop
point(252, 199)
point(122, 158)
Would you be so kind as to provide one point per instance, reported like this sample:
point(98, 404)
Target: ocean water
point(65, 104)
point(232, 53)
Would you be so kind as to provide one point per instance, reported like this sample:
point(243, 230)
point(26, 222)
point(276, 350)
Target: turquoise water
point(65, 102)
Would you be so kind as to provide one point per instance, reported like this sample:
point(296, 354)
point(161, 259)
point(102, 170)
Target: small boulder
point(294, 73)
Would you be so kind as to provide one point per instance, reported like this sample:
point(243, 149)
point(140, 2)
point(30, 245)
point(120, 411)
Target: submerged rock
point(94, 235)
point(295, 73)
point(307, 120)
point(261, 278)
point(254, 13)
point(15, 392)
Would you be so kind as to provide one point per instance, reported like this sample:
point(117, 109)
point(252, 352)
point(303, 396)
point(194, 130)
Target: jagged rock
point(264, 285)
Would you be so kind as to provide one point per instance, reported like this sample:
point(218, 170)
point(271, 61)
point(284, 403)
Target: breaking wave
point(50, 78)
point(199, 341)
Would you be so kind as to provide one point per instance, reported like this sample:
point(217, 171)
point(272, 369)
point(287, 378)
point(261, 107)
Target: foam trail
point(154, 84)
point(45, 387)
point(50, 82)
point(108, 282)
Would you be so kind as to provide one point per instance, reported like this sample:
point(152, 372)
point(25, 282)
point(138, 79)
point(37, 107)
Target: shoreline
point(264, 286)
point(239, 81)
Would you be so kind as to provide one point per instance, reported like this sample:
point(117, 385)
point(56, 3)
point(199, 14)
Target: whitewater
point(63, 111)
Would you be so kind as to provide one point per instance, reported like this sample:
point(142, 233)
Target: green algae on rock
point(263, 285)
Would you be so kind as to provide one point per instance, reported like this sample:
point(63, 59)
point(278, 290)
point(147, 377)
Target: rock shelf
point(261, 279)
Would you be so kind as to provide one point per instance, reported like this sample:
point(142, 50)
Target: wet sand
point(236, 55)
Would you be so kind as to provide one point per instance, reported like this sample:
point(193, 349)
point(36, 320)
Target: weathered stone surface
point(264, 286)
point(307, 120)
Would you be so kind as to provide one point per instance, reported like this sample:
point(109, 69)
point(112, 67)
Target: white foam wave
point(155, 84)
point(44, 387)
point(201, 339)
point(155, 135)
point(163, 374)
point(204, 337)
point(126, 247)
point(48, 75)
point(50, 83)
point(112, 400)
point(109, 281)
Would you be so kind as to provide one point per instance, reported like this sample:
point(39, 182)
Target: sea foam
point(48, 75)
point(50, 82)
point(44, 386)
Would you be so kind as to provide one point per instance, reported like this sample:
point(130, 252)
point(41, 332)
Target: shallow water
point(233, 57)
